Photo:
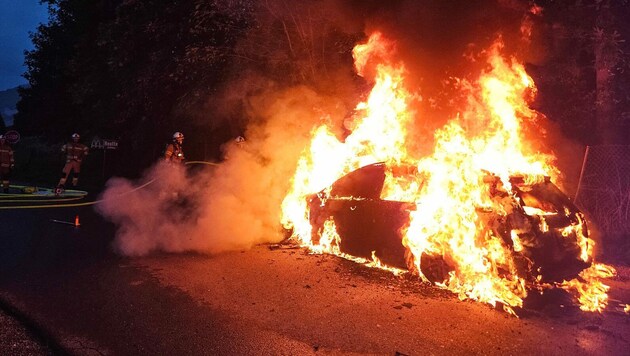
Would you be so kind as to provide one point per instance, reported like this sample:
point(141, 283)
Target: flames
point(485, 142)
point(589, 289)
point(378, 134)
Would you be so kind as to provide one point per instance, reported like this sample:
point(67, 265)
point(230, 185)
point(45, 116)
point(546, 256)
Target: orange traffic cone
point(76, 221)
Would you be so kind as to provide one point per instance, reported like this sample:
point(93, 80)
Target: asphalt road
point(66, 292)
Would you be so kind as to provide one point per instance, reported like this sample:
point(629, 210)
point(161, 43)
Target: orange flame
point(451, 193)
point(590, 291)
point(447, 222)
point(378, 134)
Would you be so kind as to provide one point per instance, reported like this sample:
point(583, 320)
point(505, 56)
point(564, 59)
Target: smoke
point(229, 206)
point(310, 43)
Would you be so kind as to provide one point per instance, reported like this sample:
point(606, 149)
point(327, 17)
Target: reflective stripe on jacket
point(174, 153)
point(74, 151)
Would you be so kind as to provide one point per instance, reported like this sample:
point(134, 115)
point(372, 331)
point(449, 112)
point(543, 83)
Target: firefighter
point(75, 152)
point(6, 163)
point(174, 152)
point(239, 142)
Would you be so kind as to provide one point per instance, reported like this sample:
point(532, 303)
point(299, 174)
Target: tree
point(63, 59)
point(134, 69)
point(582, 80)
point(609, 64)
point(298, 43)
point(166, 59)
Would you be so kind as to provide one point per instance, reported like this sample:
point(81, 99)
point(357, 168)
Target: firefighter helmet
point(240, 139)
point(1, 137)
point(76, 135)
point(177, 135)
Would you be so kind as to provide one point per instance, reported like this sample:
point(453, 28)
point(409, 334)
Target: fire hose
point(48, 206)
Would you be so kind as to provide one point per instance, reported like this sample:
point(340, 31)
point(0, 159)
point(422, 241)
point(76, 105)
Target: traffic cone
point(76, 221)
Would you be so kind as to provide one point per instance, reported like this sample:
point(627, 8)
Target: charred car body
point(549, 243)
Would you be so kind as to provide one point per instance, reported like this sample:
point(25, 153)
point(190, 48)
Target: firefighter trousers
point(71, 166)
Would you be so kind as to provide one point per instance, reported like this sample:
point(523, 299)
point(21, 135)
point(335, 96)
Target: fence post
point(581, 174)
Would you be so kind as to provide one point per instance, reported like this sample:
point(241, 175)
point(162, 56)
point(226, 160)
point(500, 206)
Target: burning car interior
point(536, 222)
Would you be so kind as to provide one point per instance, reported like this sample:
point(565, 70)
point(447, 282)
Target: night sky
point(17, 19)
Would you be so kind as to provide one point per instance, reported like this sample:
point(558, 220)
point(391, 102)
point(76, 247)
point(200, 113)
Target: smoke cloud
point(232, 205)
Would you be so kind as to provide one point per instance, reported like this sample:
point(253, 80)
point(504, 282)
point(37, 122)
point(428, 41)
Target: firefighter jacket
point(74, 151)
point(6, 156)
point(174, 153)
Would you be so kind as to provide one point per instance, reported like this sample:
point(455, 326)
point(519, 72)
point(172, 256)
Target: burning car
point(473, 210)
point(544, 233)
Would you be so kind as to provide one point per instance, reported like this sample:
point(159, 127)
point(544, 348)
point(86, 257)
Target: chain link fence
point(604, 192)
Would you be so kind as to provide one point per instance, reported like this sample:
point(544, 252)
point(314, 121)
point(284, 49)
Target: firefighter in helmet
point(174, 152)
point(6, 163)
point(75, 152)
point(239, 142)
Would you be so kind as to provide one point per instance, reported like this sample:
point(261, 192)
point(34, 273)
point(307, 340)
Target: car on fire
point(548, 248)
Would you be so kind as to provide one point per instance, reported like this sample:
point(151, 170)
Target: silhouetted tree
point(582, 80)
point(141, 69)
point(133, 69)
point(63, 59)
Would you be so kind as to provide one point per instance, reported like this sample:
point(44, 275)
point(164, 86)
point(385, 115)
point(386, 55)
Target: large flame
point(447, 223)
point(485, 139)
point(378, 134)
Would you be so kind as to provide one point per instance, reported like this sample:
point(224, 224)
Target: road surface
point(77, 297)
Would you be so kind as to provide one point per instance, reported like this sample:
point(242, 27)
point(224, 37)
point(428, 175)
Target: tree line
point(138, 70)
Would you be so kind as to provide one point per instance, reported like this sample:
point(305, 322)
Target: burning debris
point(479, 216)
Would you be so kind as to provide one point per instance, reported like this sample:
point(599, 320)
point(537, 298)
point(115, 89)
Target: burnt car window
point(545, 196)
point(366, 182)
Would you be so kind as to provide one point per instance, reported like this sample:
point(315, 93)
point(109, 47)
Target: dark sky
point(17, 19)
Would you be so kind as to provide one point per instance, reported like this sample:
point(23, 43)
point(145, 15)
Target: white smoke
point(233, 205)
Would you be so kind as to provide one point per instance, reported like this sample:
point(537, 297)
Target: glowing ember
point(484, 175)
